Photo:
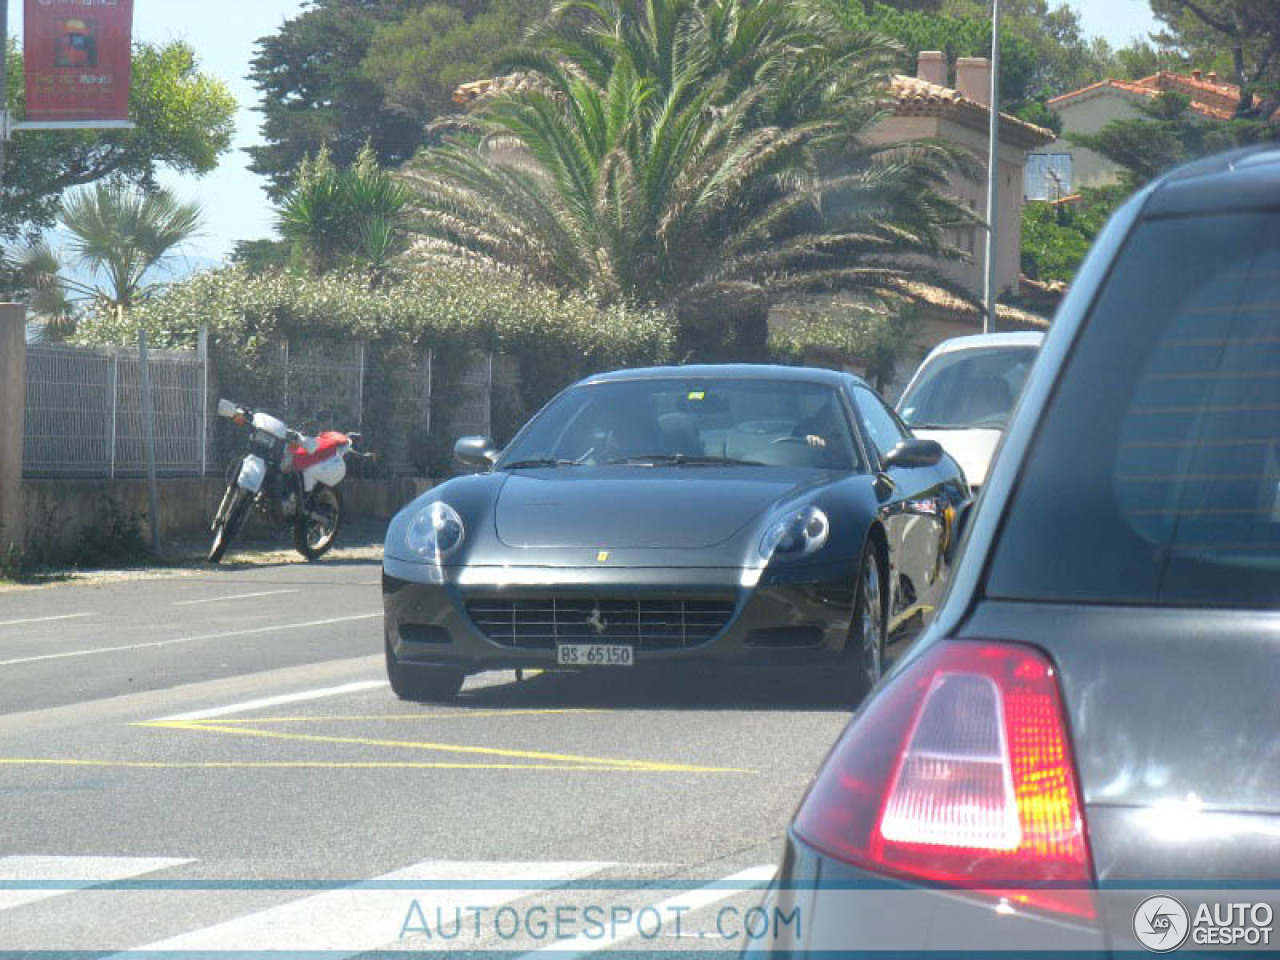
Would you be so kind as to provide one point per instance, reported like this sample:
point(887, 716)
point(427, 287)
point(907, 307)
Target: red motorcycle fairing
point(327, 446)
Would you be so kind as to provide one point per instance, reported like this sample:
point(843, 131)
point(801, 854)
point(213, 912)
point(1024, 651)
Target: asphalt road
point(212, 761)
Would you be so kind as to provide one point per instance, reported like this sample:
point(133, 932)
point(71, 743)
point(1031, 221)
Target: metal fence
point(407, 412)
point(336, 384)
point(84, 412)
point(471, 412)
point(84, 405)
point(410, 409)
point(324, 381)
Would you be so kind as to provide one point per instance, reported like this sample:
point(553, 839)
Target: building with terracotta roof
point(1090, 109)
point(927, 107)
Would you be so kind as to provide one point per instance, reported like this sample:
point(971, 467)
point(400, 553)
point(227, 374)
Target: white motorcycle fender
point(252, 472)
point(329, 472)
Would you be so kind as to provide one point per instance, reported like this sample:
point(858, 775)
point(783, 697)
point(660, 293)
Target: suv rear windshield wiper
point(540, 462)
point(683, 460)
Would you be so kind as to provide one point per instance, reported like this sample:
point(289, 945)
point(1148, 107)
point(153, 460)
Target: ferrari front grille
point(648, 624)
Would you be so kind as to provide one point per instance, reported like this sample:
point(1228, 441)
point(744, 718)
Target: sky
point(223, 34)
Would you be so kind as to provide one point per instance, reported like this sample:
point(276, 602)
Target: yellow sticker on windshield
point(697, 394)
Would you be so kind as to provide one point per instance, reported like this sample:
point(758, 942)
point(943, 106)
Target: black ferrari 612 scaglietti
point(744, 514)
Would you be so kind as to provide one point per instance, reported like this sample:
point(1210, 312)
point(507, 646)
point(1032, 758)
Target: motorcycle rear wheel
point(315, 528)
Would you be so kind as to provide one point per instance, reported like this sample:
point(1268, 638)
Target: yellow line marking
point(318, 764)
point(563, 758)
point(403, 716)
point(902, 618)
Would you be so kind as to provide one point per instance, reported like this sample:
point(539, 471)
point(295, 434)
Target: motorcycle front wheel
point(230, 518)
point(316, 526)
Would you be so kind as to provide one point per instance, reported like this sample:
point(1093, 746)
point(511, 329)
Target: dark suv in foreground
point(1083, 752)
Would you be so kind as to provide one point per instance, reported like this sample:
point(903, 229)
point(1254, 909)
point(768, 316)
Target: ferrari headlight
point(798, 534)
point(435, 532)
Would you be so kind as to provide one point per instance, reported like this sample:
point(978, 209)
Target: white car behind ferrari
point(964, 392)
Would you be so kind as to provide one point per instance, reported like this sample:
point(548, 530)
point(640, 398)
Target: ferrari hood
point(972, 449)
point(618, 508)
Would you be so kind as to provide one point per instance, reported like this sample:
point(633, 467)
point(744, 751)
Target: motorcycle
point(290, 478)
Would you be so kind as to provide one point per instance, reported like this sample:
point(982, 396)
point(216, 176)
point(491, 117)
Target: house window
point(1048, 176)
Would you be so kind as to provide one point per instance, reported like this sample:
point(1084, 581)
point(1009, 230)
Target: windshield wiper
point(684, 460)
point(540, 462)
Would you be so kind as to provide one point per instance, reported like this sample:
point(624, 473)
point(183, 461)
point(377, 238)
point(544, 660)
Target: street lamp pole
point(4, 81)
point(993, 177)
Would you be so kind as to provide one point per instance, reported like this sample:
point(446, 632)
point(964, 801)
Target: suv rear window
point(1155, 478)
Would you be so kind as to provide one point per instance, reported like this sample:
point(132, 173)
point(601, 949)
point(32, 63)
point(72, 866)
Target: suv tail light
point(960, 774)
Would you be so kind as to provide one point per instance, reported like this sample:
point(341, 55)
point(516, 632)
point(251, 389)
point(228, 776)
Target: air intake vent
point(649, 624)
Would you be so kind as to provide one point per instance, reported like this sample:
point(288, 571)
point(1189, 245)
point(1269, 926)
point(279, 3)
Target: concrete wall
point(59, 510)
point(13, 394)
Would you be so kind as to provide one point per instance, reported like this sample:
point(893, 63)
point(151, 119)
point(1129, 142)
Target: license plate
point(595, 655)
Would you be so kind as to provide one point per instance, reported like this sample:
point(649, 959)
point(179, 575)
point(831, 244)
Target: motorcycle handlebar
point(233, 411)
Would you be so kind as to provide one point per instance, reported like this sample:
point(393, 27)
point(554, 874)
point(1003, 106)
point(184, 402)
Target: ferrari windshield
point(664, 422)
point(968, 389)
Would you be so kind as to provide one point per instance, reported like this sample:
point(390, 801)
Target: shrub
point(879, 340)
point(116, 540)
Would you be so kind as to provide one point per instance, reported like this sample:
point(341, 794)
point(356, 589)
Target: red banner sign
point(78, 55)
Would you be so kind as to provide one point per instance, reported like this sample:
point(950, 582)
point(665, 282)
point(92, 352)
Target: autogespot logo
point(1161, 924)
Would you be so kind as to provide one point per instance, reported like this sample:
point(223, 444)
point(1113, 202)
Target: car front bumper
point(801, 615)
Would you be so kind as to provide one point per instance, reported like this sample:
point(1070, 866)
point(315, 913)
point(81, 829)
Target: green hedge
point(556, 337)
point(878, 338)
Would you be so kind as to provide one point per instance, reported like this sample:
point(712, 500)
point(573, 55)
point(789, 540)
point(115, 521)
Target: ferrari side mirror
point(479, 452)
point(915, 452)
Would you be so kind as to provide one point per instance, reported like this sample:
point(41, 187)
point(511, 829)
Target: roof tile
point(1215, 100)
point(915, 98)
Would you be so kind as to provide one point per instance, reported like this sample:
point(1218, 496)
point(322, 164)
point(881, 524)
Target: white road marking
point(689, 901)
point(265, 702)
point(238, 596)
point(70, 874)
point(209, 636)
point(65, 616)
point(363, 917)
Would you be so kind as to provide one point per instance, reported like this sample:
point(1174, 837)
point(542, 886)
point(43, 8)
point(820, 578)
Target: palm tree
point(708, 156)
point(118, 235)
point(345, 218)
point(37, 270)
